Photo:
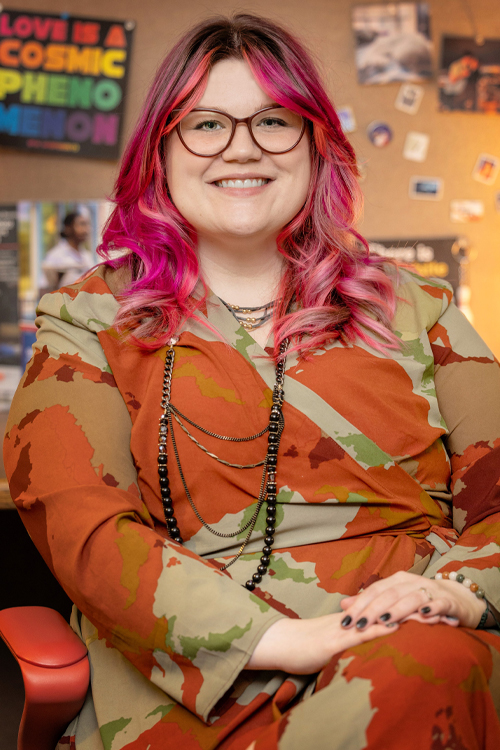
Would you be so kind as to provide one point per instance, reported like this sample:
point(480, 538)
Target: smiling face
point(243, 192)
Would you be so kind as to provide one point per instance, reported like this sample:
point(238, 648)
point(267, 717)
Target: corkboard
point(456, 138)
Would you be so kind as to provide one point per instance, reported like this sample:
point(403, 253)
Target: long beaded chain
point(267, 492)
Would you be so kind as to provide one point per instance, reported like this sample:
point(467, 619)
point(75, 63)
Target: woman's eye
point(272, 122)
point(208, 125)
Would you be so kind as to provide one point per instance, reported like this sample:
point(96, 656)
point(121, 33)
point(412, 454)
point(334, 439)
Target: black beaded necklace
point(267, 491)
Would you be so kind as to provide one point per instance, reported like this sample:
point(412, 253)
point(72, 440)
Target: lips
point(245, 183)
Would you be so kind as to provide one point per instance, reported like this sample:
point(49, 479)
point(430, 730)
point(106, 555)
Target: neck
point(74, 244)
point(242, 273)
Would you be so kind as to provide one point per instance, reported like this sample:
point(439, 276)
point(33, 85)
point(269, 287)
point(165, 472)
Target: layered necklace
point(249, 317)
point(267, 492)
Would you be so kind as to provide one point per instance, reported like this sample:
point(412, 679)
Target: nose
point(242, 148)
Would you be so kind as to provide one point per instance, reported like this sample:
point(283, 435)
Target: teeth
point(241, 183)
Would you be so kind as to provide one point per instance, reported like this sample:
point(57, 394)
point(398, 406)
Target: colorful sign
point(63, 83)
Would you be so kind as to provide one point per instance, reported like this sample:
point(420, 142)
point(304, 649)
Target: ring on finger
point(427, 593)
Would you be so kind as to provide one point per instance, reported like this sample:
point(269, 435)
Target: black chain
point(267, 490)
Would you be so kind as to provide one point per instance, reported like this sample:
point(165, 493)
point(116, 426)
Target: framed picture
point(469, 76)
point(426, 188)
point(392, 42)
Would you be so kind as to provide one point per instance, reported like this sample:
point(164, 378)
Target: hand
point(406, 596)
point(306, 646)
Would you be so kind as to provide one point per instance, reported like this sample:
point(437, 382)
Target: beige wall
point(456, 139)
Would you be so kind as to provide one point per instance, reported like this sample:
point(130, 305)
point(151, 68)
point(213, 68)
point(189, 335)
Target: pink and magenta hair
point(332, 284)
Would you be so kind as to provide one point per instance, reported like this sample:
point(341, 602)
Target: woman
point(247, 561)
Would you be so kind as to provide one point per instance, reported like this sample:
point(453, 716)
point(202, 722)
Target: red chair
point(55, 669)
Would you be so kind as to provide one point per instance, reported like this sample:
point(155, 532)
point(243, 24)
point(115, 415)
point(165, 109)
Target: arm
point(468, 388)
point(467, 379)
point(185, 625)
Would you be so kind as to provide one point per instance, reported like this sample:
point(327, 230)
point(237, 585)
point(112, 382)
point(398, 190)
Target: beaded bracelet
point(460, 578)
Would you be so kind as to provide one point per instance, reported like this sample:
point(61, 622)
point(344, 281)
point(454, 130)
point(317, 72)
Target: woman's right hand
point(306, 646)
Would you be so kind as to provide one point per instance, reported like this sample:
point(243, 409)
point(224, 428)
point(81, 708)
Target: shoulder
point(420, 301)
point(90, 304)
point(71, 320)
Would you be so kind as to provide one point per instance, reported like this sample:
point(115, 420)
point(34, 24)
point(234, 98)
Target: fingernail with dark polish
point(346, 621)
point(451, 617)
point(361, 623)
point(391, 625)
point(425, 610)
point(386, 616)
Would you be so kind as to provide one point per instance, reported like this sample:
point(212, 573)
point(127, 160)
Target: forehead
point(232, 87)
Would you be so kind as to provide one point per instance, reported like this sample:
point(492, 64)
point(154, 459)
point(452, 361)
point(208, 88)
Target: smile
point(241, 183)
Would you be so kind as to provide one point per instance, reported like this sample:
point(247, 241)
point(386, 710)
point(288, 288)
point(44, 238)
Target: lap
point(420, 687)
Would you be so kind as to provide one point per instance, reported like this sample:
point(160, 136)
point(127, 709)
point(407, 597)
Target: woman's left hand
point(406, 596)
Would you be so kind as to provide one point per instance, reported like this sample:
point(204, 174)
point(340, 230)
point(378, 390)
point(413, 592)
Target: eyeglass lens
point(208, 133)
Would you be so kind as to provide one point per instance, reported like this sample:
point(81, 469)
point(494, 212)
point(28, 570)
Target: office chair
point(55, 670)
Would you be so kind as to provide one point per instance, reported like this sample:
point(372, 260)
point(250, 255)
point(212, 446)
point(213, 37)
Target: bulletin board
point(455, 139)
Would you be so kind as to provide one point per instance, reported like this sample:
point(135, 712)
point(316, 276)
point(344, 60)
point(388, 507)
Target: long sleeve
point(187, 627)
point(467, 378)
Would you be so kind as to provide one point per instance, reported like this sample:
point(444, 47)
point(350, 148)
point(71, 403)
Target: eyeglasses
point(209, 132)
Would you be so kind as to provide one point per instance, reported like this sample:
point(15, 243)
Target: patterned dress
point(386, 463)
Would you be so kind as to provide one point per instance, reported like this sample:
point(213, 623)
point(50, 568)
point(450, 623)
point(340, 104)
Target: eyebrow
point(222, 109)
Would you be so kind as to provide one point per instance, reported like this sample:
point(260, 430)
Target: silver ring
point(429, 596)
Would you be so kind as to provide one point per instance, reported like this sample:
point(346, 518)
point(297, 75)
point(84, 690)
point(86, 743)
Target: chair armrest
point(55, 670)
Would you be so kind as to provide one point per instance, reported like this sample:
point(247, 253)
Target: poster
point(469, 77)
point(429, 257)
point(63, 82)
point(10, 343)
point(392, 42)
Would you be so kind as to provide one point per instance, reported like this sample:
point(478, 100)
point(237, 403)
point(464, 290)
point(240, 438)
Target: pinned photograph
point(466, 211)
point(409, 97)
point(379, 133)
point(392, 42)
point(469, 76)
point(416, 146)
point(426, 188)
point(347, 119)
point(486, 169)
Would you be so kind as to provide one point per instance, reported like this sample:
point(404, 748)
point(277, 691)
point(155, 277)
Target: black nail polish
point(451, 617)
point(361, 623)
point(425, 610)
point(346, 621)
point(386, 616)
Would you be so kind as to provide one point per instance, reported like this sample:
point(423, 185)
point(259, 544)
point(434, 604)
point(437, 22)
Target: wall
point(456, 139)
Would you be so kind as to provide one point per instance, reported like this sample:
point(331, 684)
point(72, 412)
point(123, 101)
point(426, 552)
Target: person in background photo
point(69, 259)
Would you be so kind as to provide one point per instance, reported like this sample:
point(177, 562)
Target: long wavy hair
point(331, 287)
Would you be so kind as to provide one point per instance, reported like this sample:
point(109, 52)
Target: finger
point(354, 637)
point(366, 604)
point(384, 592)
point(434, 620)
point(392, 605)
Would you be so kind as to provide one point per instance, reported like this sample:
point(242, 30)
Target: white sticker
point(347, 119)
point(426, 188)
point(416, 146)
point(466, 211)
point(486, 169)
point(409, 98)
